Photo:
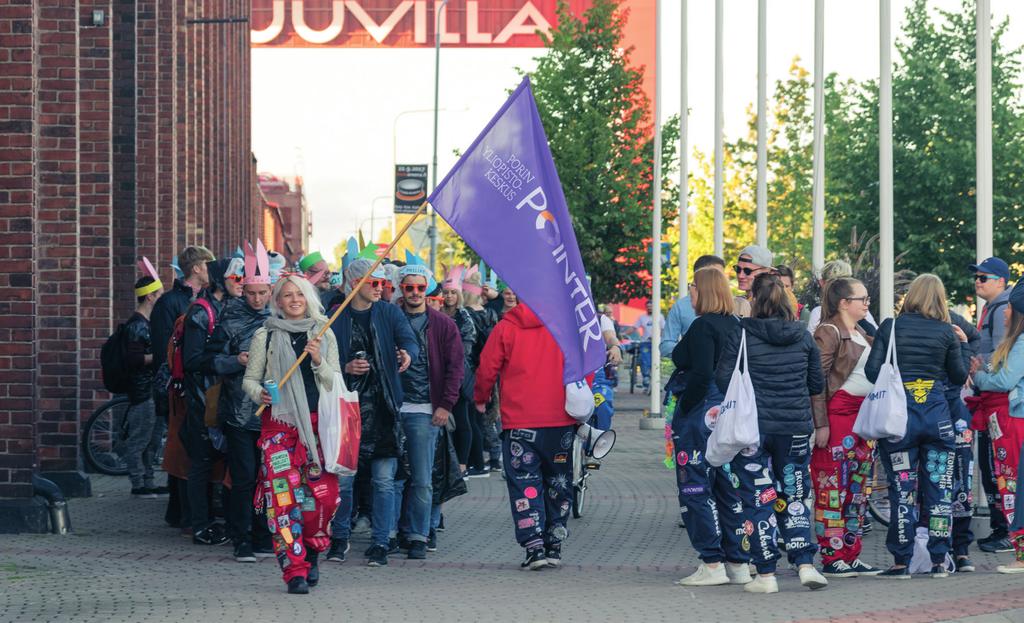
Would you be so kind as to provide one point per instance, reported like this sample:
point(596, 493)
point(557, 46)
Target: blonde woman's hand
point(821, 437)
point(313, 350)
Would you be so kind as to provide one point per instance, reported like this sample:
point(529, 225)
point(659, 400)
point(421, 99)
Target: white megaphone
point(596, 442)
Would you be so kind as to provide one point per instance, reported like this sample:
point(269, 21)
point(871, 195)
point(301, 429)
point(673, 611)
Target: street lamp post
point(433, 169)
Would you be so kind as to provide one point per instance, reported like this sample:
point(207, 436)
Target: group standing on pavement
point(440, 368)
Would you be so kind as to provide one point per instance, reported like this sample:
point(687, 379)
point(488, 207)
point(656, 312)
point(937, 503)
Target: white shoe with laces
point(810, 578)
point(762, 584)
point(706, 576)
point(738, 572)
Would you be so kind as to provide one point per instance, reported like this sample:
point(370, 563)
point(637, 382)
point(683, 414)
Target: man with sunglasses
point(430, 387)
point(990, 280)
point(753, 260)
point(375, 344)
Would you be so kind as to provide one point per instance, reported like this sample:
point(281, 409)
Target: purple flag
point(505, 200)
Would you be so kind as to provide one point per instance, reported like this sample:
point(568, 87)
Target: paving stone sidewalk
point(123, 564)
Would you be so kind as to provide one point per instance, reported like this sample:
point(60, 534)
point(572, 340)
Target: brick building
point(124, 131)
point(289, 205)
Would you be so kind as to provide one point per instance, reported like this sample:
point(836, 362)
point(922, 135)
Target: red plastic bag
point(339, 428)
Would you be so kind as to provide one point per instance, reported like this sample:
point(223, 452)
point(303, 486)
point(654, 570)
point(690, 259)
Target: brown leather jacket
point(839, 356)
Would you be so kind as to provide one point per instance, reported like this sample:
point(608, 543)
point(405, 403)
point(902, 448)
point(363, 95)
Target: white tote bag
point(883, 414)
point(736, 426)
point(339, 428)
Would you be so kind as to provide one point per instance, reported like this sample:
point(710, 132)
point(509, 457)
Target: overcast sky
point(341, 117)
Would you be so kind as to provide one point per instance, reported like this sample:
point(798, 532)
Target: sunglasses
point(415, 287)
point(376, 283)
point(745, 270)
point(236, 278)
point(984, 278)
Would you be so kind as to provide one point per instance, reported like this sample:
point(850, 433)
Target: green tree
point(598, 123)
point(933, 148)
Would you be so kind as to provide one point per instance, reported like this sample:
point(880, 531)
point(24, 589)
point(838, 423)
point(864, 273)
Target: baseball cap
point(1017, 297)
point(992, 266)
point(758, 255)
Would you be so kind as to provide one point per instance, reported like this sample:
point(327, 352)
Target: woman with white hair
point(300, 496)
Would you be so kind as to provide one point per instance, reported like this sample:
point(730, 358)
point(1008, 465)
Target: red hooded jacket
point(522, 351)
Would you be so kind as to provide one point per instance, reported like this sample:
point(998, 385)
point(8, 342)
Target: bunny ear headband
point(148, 271)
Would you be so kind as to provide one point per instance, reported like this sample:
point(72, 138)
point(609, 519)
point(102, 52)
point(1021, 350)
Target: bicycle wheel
point(878, 496)
point(104, 436)
point(579, 479)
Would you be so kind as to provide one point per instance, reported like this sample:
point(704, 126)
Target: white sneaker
point(763, 584)
point(810, 578)
point(706, 576)
point(738, 572)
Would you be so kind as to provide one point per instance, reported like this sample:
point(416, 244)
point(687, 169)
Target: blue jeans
point(383, 479)
point(645, 361)
point(420, 443)
point(341, 525)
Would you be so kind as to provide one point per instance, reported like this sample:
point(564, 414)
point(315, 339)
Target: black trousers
point(244, 460)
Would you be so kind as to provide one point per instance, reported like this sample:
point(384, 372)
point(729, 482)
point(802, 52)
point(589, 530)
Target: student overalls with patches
point(920, 471)
point(841, 473)
point(538, 473)
point(300, 497)
point(774, 481)
point(963, 473)
point(708, 500)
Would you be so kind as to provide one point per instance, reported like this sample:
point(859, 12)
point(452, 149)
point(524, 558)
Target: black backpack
point(113, 358)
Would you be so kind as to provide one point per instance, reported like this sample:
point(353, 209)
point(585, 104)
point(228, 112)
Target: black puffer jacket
point(785, 368)
point(138, 344)
point(235, 328)
point(199, 374)
point(926, 349)
point(467, 331)
point(971, 348)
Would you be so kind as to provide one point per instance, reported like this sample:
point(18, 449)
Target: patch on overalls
point(919, 389)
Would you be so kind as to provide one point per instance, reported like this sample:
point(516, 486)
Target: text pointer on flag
point(504, 198)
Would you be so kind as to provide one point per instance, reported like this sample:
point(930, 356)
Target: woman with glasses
point(706, 492)
point(841, 461)
point(920, 465)
point(785, 369)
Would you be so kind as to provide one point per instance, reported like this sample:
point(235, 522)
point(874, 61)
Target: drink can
point(271, 387)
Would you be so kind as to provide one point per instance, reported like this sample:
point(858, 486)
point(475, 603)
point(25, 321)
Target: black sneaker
point(377, 556)
point(866, 527)
point(432, 541)
point(298, 586)
point(263, 551)
point(495, 465)
point(478, 472)
point(996, 545)
point(939, 571)
point(862, 568)
point(553, 554)
point(964, 565)
point(440, 524)
point(393, 546)
point(214, 535)
point(535, 559)
point(402, 545)
point(418, 550)
point(143, 492)
point(313, 575)
point(839, 569)
point(244, 553)
point(895, 573)
point(339, 547)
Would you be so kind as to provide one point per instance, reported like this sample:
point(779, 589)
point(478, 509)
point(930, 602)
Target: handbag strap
point(891, 354)
point(741, 356)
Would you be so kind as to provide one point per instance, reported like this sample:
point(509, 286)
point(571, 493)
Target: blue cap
point(992, 266)
point(1017, 297)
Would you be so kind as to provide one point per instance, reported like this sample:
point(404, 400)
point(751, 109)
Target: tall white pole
point(719, 121)
point(655, 410)
point(684, 161)
point(983, 81)
point(886, 253)
point(818, 218)
point(762, 123)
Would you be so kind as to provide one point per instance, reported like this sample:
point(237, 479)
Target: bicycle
point(878, 493)
point(104, 436)
point(587, 450)
point(633, 350)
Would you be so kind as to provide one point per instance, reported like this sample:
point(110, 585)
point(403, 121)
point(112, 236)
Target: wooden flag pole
point(351, 295)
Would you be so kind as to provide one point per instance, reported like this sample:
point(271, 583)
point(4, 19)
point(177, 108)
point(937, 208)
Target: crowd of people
point(457, 378)
point(206, 362)
point(805, 485)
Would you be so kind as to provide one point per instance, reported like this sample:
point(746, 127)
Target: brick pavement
point(122, 564)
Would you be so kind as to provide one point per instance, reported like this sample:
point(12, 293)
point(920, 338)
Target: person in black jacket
point(375, 343)
point(930, 359)
point(200, 322)
point(141, 445)
point(484, 319)
point(236, 412)
point(713, 521)
point(785, 369)
point(192, 262)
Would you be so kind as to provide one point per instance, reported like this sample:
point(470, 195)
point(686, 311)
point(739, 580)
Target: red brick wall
point(116, 141)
